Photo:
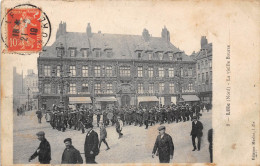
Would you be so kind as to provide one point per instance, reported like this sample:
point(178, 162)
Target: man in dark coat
point(43, 151)
point(164, 146)
point(210, 139)
point(39, 116)
point(91, 144)
point(70, 154)
point(196, 131)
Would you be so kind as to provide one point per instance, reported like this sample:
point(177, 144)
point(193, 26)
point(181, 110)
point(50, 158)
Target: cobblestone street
point(135, 146)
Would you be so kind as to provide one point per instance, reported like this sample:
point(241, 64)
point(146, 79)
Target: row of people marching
point(62, 119)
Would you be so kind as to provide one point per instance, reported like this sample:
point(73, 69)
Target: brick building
point(114, 69)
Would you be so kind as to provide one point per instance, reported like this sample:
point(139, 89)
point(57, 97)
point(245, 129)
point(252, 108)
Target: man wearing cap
point(196, 131)
point(91, 144)
point(163, 146)
point(43, 151)
point(70, 155)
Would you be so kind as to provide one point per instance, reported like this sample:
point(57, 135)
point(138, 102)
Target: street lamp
point(28, 89)
point(178, 74)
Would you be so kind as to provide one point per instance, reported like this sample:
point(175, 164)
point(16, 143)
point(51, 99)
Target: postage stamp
point(27, 29)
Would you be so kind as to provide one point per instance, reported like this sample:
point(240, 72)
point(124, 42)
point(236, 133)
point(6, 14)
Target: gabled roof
point(123, 46)
point(207, 47)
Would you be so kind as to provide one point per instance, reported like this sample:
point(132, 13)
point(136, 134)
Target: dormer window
point(109, 53)
point(72, 52)
point(150, 56)
point(170, 56)
point(98, 53)
point(85, 53)
point(160, 55)
point(139, 55)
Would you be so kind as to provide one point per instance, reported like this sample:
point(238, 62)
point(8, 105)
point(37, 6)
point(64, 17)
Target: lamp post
point(179, 76)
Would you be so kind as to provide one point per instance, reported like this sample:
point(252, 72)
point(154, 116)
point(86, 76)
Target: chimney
point(146, 35)
point(203, 41)
point(61, 30)
point(165, 34)
point(89, 33)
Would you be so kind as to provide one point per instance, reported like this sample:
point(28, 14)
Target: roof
point(207, 47)
point(123, 46)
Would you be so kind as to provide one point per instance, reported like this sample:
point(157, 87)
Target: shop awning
point(147, 98)
point(190, 98)
point(110, 98)
point(79, 100)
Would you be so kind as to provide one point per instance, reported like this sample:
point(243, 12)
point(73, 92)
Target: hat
point(40, 133)
point(194, 117)
point(67, 139)
point(88, 125)
point(161, 128)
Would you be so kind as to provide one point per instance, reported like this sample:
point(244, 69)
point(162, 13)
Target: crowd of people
point(82, 119)
point(62, 119)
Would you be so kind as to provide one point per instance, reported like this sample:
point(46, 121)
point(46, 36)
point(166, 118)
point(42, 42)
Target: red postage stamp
point(24, 30)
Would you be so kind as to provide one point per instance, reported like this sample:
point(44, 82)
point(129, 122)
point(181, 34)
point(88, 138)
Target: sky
point(186, 21)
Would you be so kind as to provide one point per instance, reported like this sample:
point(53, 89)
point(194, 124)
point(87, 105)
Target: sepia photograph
point(96, 82)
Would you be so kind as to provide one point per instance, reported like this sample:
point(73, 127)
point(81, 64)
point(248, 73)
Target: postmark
point(27, 29)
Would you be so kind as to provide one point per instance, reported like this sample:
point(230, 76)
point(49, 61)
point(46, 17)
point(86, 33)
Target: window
point(98, 53)
point(190, 71)
point(160, 56)
point(161, 72)
point(181, 71)
point(58, 71)
point(84, 87)
point(190, 87)
point(198, 65)
point(47, 88)
point(171, 87)
point(97, 71)
point(202, 64)
point(84, 53)
point(139, 55)
point(170, 56)
point(198, 77)
point(150, 56)
point(109, 89)
point(72, 53)
point(124, 71)
point(206, 63)
point(210, 63)
point(72, 88)
point(97, 88)
point(109, 53)
point(84, 71)
point(151, 88)
point(109, 71)
point(47, 70)
point(171, 72)
point(211, 76)
point(140, 71)
point(72, 71)
point(161, 87)
point(203, 79)
point(150, 72)
point(140, 88)
point(207, 77)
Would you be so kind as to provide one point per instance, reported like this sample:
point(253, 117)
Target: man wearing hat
point(163, 146)
point(196, 131)
point(43, 151)
point(91, 144)
point(70, 154)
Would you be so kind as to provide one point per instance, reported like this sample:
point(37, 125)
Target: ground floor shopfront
point(109, 101)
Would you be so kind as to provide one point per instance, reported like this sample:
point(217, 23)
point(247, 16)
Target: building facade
point(31, 87)
point(113, 69)
point(204, 71)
